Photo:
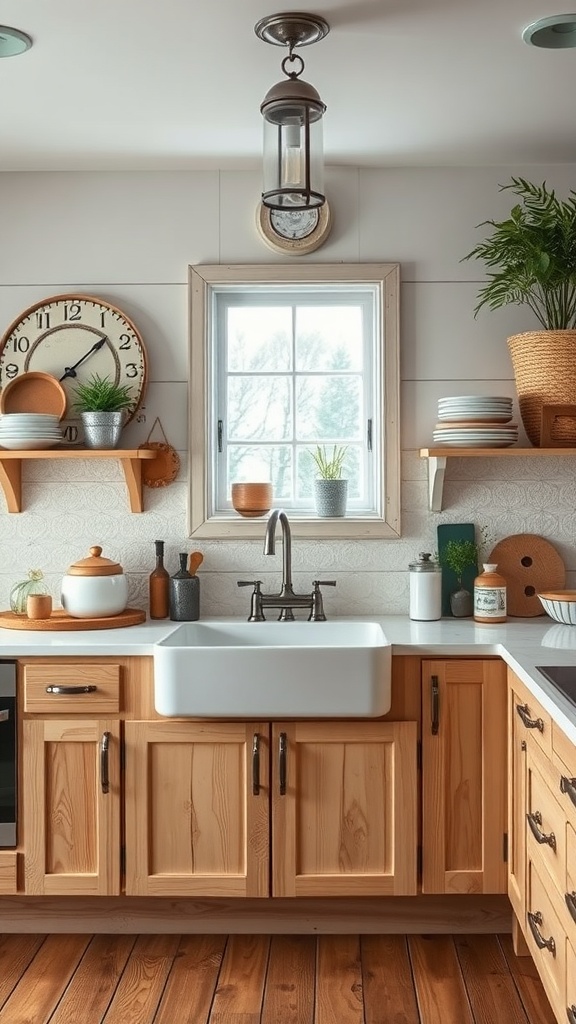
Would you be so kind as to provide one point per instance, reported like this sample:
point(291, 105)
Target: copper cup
point(252, 499)
point(39, 606)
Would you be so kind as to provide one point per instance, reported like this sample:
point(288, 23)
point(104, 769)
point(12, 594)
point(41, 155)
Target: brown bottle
point(158, 585)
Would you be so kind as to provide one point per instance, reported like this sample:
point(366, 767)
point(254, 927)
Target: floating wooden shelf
point(437, 463)
point(130, 460)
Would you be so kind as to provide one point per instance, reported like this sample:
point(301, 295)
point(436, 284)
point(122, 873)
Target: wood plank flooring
point(260, 979)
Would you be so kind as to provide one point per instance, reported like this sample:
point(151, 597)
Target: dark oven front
point(8, 754)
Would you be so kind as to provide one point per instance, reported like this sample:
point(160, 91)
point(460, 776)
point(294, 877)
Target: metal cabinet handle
point(435, 705)
point(104, 762)
point(571, 1013)
point(570, 899)
point(70, 690)
point(5, 715)
point(530, 723)
point(535, 920)
point(256, 765)
point(282, 758)
point(568, 786)
point(534, 820)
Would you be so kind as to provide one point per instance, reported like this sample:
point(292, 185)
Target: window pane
point(259, 408)
point(254, 463)
point(329, 408)
point(259, 338)
point(329, 338)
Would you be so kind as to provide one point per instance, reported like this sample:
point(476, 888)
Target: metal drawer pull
point(283, 753)
point(69, 690)
point(530, 723)
point(570, 898)
point(4, 715)
point(535, 920)
point(104, 754)
point(534, 820)
point(571, 1013)
point(435, 705)
point(256, 765)
point(568, 786)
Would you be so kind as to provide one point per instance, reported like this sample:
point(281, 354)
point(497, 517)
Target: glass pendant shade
point(293, 167)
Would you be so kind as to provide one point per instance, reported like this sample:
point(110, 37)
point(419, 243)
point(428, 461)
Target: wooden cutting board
point(61, 620)
point(530, 565)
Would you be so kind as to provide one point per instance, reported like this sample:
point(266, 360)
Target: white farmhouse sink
point(273, 669)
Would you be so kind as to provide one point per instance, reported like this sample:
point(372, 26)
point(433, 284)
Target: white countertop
point(522, 643)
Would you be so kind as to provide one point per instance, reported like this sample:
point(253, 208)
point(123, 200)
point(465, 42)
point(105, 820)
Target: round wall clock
point(294, 232)
point(73, 337)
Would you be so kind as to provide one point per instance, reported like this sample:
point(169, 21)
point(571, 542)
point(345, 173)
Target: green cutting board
point(448, 532)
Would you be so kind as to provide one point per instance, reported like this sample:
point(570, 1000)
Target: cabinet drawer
point(536, 722)
point(570, 984)
point(546, 938)
point(97, 688)
point(8, 876)
point(545, 821)
point(570, 891)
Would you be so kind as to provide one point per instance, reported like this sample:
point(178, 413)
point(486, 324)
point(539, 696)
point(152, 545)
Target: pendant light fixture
point(293, 172)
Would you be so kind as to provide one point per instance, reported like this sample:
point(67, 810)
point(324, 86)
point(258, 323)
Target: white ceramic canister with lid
point(94, 587)
point(425, 588)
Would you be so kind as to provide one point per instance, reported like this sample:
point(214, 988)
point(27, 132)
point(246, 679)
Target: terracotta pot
point(544, 364)
point(251, 499)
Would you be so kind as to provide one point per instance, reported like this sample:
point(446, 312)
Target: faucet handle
point(250, 583)
point(256, 613)
point(317, 604)
point(323, 583)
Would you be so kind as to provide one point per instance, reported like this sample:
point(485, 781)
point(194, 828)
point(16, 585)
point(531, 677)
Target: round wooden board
point(61, 620)
point(530, 565)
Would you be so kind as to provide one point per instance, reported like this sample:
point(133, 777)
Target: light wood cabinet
point(71, 801)
point(463, 776)
point(8, 873)
point(516, 797)
point(197, 808)
point(344, 819)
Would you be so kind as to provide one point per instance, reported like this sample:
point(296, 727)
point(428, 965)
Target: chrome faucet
point(286, 600)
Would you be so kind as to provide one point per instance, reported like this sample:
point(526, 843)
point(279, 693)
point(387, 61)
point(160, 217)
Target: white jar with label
point(490, 596)
point(425, 589)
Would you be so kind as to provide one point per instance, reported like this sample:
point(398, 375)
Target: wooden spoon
point(196, 559)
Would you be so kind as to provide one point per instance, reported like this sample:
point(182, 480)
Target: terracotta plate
point(34, 392)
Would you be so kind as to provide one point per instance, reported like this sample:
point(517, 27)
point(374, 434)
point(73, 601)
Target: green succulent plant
point(329, 466)
point(531, 256)
point(100, 394)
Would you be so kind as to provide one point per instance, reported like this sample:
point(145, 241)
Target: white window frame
point(204, 280)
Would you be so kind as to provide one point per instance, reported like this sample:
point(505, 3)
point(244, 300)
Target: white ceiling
point(177, 84)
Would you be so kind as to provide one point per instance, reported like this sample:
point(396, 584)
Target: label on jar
point(490, 602)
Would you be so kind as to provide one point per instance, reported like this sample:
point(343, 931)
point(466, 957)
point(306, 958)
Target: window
point(284, 359)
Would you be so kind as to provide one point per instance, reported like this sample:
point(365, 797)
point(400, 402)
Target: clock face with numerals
point(73, 337)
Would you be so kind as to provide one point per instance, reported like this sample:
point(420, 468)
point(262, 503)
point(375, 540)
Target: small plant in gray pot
point(102, 406)
point(330, 490)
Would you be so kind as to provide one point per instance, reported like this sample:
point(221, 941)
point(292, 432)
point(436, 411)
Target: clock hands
point(70, 371)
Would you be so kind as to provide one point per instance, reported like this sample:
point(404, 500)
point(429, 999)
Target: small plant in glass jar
point(21, 591)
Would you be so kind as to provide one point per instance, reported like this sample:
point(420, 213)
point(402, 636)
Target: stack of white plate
point(29, 431)
point(475, 421)
point(474, 408)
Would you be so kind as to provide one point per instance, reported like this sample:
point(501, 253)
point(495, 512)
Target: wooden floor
point(329, 979)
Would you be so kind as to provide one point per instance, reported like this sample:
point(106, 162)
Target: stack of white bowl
point(475, 421)
point(29, 431)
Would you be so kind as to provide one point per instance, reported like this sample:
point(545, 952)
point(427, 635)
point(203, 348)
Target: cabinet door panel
point(463, 776)
point(71, 824)
point(347, 821)
point(517, 753)
point(193, 823)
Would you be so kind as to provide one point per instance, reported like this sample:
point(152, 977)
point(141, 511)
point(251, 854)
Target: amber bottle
point(159, 585)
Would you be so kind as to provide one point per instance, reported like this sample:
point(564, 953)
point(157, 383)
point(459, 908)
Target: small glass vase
point(33, 584)
point(461, 603)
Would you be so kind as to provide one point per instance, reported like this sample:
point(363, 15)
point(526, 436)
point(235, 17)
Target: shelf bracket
point(133, 475)
point(436, 469)
point(11, 483)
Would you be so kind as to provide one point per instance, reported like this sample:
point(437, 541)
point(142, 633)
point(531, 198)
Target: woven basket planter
point(544, 364)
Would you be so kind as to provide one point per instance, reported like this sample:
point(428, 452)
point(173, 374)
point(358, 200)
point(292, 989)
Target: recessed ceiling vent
point(13, 42)
point(555, 33)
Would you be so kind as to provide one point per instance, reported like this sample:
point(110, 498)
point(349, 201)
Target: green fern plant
point(100, 394)
point(329, 466)
point(531, 256)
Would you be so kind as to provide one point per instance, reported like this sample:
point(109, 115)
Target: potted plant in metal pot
point(102, 405)
point(531, 261)
point(330, 490)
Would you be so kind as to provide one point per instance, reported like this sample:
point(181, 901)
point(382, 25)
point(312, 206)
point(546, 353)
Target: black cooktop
point(563, 677)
